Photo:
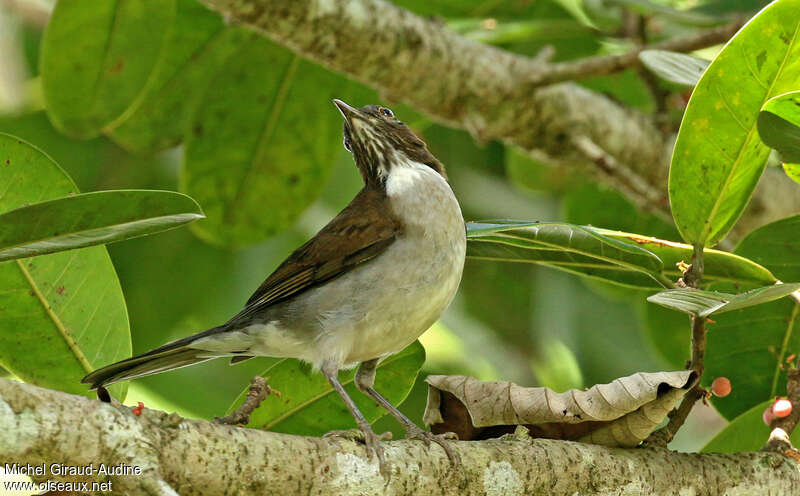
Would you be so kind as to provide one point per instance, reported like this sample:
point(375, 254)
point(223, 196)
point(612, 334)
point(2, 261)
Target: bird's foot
point(372, 442)
point(442, 440)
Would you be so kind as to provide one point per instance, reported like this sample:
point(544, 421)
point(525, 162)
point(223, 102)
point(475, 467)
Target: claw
point(440, 439)
point(372, 442)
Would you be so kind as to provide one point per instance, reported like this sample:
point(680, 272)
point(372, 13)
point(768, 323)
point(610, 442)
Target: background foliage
point(165, 96)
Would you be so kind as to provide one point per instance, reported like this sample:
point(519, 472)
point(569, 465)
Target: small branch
point(259, 390)
point(593, 66)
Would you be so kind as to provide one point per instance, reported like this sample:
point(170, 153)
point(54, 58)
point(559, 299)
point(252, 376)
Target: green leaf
point(97, 57)
point(575, 8)
point(776, 247)
point(793, 171)
point(274, 142)
point(308, 405)
point(719, 266)
point(786, 106)
point(583, 250)
point(63, 314)
point(746, 432)
point(91, 219)
point(718, 157)
point(704, 303)
point(779, 125)
point(674, 67)
point(750, 347)
point(198, 44)
point(569, 244)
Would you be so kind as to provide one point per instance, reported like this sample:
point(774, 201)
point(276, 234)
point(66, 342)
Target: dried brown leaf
point(622, 413)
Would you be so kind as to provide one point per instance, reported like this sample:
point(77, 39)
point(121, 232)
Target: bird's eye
point(346, 143)
point(386, 112)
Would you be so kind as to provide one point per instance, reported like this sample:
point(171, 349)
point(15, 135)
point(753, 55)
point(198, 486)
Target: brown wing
point(359, 233)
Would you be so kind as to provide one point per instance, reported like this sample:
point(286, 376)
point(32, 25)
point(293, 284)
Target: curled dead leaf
point(621, 413)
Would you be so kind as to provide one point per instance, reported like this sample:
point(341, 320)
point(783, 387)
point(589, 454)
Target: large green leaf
point(97, 57)
point(260, 149)
point(704, 303)
point(63, 314)
point(91, 219)
point(308, 405)
point(718, 156)
point(623, 258)
point(199, 43)
point(747, 432)
point(775, 246)
point(750, 346)
point(779, 125)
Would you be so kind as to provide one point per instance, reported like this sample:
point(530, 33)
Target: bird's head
point(378, 141)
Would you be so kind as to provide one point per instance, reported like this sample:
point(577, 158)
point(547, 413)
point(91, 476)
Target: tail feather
point(171, 356)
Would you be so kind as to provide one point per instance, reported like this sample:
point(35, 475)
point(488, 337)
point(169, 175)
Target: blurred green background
point(523, 323)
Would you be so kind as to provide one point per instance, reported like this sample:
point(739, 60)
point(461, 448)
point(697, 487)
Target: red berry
point(782, 407)
point(768, 416)
point(137, 410)
point(721, 387)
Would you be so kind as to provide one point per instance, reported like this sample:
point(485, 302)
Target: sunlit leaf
point(308, 405)
point(793, 171)
point(90, 219)
point(718, 156)
point(704, 303)
point(779, 126)
point(63, 314)
point(97, 57)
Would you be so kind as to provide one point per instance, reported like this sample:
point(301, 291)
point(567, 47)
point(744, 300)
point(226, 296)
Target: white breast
point(393, 301)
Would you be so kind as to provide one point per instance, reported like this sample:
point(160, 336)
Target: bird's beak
point(347, 111)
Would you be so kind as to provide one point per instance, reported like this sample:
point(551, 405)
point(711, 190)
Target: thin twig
point(259, 389)
point(592, 66)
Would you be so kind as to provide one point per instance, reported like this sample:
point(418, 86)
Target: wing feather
point(361, 232)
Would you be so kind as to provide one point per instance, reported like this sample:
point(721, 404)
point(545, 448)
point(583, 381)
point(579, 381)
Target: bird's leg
point(365, 381)
point(371, 440)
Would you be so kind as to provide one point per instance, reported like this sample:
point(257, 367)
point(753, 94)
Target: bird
point(367, 285)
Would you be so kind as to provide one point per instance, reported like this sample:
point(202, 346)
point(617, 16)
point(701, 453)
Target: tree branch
point(193, 457)
point(489, 92)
